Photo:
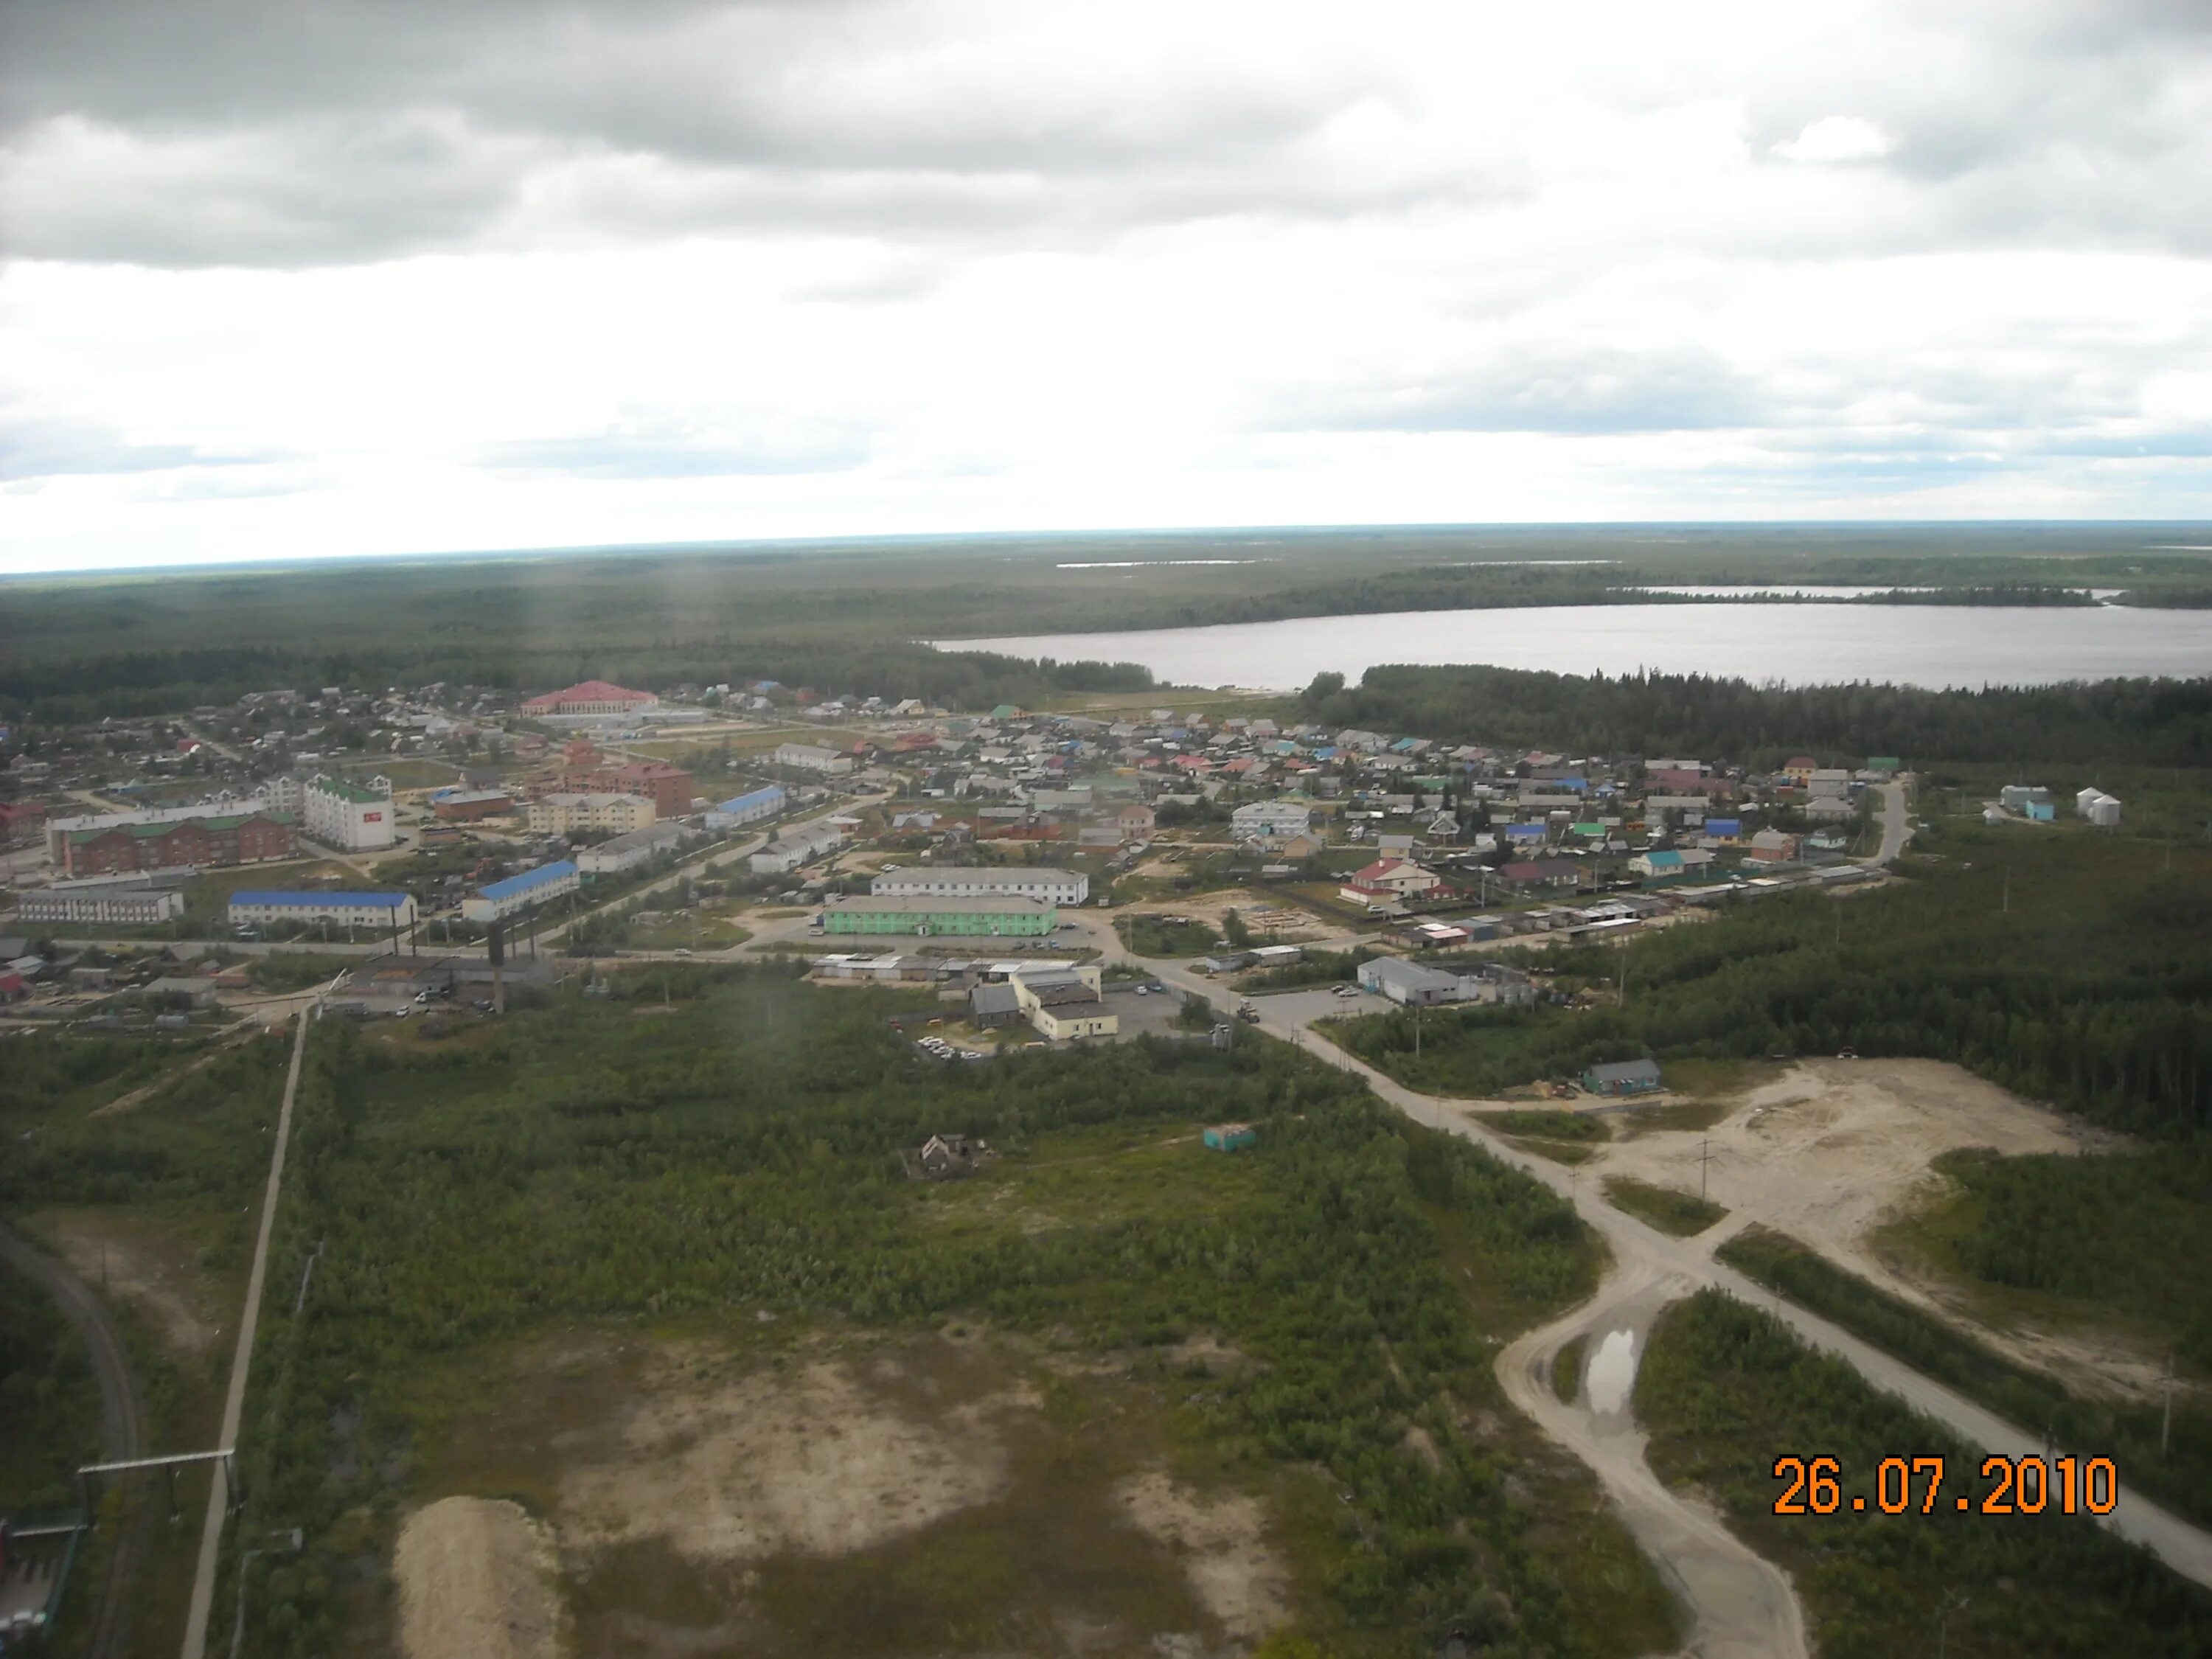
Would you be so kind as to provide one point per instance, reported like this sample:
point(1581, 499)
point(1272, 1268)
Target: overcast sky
point(339, 277)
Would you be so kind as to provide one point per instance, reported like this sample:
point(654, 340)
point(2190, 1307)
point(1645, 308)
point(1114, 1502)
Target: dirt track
point(475, 1582)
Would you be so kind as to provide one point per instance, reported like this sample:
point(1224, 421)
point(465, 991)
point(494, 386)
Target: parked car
point(1346, 990)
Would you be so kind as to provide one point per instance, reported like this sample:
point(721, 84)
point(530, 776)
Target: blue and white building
point(498, 900)
point(747, 809)
point(382, 911)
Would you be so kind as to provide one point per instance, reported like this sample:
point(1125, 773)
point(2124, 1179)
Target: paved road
point(1896, 823)
point(233, 1406)
point(122, 1421)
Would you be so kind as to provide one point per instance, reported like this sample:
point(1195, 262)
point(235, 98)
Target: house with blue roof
point(748, 808)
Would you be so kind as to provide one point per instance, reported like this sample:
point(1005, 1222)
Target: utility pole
point(1704, 1160)
point(2007, 889)
point(2165, 1428)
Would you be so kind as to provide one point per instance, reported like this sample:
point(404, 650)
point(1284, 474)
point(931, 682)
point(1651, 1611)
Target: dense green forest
point(584, 1164)
point(2179, 1476)
point(2162, 722)
point(49, 1400)
point(1724, 1389)
point(2076, 972)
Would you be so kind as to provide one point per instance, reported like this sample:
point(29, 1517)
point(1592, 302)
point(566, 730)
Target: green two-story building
point(955, 917)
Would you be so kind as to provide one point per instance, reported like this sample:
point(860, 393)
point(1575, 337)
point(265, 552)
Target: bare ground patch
point(1222, 1542)
point(144, 1265)
point(475, 1582)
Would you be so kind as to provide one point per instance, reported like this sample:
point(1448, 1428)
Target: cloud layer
point(500, 271)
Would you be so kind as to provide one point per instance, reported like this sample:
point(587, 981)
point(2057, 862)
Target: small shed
point(1626, 1077)
point(1228, 1137)
point(995, 1005)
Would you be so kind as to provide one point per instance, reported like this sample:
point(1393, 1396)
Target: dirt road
point(122, 1421)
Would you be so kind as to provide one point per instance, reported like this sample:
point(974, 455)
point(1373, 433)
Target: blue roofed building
point(264, 907)
point(500, 899)
point(750, 808)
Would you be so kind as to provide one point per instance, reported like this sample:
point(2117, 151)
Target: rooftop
point(322, 899)
point(528, 879)
point(986, 904)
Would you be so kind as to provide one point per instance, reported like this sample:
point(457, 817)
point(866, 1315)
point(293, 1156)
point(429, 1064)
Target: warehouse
point(385, 911)
point(1010, 881)
point(127, 902)
point(1410, 984)
point(517, 893)
point(349, 817)
point(740, 809)
point(1005, 918)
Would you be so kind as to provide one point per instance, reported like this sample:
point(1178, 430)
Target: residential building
point(796, 847)
point(1672, 864)
point(21, 823)
point(501, 899)
point(1270, 819)
point(126, 902)
point(748, 808)
point(1136, 822)
point(1771, 847)
point(628, 852)
point(566, 814)
point(383, 911)
point(215, 840)
point(591, 698)
point(809, 758)
point(1799, 769)
point(1006, 881)
point(1722, 832)
point(1390, 880)
point(352, 817)
point(1005, 918)
point(1530, 875)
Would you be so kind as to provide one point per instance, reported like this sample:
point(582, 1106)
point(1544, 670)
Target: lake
point(1932, 645)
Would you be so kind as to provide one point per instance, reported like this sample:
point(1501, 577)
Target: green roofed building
point(1001, 918)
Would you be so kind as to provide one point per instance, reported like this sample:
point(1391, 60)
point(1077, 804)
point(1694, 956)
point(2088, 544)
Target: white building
point(567, 812)
point(627, 851)
point(795, 847)
point(1270, 819)
point(501, 899)
point(751, 808)
point(127, 902)
point(1014, 881)
point(349, 817)
point(806, 757)
point(382, 911)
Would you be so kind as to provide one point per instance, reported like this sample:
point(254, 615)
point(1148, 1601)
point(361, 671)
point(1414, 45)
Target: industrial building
point(501, 899)
point(1410, 984)
point(349, 817)
point(210, 838)
point(1628, 1077)
point(1005, 918)
point(590, 697)
point(750, 808)
point(1009, 881)
point(566, 814)
point(627, 851)
point(807, 757)
point(383, 911)
point(125, 902)
point(467, 806)
point(1064, 1003)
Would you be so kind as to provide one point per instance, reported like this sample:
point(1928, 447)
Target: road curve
point(122, 1417)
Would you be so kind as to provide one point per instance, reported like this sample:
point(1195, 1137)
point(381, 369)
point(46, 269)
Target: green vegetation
point(295, 970)
point(1314, 968)
point(1567, 1369)
point(1683, 1214)
point(1563, 1137)
point(737, 1152)
point(1724, 1390)
point(2128, 1434)
point(1148, 935)
point(2096, 995)
point(49, 1400)
point(2160, 722)
point(2126, 1236)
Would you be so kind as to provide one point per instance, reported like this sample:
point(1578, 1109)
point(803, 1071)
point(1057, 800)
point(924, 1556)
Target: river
point(1920, 645)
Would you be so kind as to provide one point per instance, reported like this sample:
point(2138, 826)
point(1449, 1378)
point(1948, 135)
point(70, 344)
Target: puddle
point(1611, 1370)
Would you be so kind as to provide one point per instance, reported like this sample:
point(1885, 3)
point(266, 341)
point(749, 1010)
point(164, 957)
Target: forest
point(2075, 973)
point(740, 1151)
point(49, 1400)
point(2147, 722)
point(1724, 1388)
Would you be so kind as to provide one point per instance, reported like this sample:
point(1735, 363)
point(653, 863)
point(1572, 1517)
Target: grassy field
point(1724, 1390)
point(1288, 1347)
point(1683, 1214)
point(1562, 1137)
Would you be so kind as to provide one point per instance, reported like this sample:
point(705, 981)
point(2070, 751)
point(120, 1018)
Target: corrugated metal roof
point(321, 898)
point(528, 879)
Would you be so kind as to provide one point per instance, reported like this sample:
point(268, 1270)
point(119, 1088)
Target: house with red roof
point(590, 697)
point(1390, 881)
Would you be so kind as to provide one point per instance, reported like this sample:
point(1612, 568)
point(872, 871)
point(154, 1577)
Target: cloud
point(56, 449)
point(1837, 138)
point(668, 452)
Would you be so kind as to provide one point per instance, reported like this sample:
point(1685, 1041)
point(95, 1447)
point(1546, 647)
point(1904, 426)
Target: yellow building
point(566, 814)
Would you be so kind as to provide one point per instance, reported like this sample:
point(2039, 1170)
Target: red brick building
point(21, 823)
point(587, 770)
point(199, 843)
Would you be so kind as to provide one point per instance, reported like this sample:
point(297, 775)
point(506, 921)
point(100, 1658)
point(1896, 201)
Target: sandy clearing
point(1833, 1149)
point(475, 1582)
point(128, 1265)
point(1222, 1541)
point(808, 1460)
